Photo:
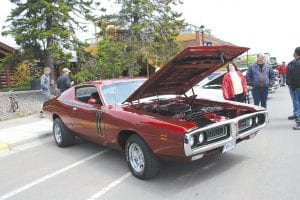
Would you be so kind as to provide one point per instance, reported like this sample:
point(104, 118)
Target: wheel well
point(123, 136)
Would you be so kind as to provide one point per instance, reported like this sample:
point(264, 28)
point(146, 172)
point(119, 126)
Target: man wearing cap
point(63, 82)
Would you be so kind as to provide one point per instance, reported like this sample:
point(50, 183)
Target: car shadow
point(196, 171)
point(172, 175)
point(200, 170)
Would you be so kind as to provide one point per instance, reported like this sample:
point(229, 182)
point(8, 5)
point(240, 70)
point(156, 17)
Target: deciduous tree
point(148, 29)
point(46, 28)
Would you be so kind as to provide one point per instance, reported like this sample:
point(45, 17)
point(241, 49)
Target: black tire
point(62, 136)
point(150, 165)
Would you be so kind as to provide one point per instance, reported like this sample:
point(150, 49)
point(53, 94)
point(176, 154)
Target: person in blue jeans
point(260, 77)
point(294, 83)
point(291, 90)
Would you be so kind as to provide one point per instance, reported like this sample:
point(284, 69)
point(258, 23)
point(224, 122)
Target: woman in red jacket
point(234, 84)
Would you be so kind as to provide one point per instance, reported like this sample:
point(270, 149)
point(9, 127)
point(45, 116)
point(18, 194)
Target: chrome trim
point(233, 123)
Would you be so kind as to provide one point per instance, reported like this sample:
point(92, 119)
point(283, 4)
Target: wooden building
point(8, 71)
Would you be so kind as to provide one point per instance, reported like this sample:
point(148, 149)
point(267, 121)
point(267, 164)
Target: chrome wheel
point(57, 133)
point(136, 157)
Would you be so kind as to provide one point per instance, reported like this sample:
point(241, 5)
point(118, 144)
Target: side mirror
point(92, 101)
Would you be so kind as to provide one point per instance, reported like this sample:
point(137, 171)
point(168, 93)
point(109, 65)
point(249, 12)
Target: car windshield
point(119, 92)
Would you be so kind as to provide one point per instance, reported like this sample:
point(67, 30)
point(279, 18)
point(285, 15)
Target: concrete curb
point(10, 146)
point(14, 136)
point(31, 139)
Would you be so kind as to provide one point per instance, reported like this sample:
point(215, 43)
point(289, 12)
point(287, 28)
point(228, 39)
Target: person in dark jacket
point(291, 89)
point(293, 81)
point(260, 77)
point(63, 82)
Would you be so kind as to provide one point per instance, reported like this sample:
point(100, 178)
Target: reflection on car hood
point(186, 69)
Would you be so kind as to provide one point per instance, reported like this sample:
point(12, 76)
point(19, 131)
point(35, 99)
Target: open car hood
point(186, 69)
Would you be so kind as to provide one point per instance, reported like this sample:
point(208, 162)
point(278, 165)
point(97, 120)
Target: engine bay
point(202, 112)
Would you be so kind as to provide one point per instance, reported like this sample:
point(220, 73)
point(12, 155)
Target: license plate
point(229, 146)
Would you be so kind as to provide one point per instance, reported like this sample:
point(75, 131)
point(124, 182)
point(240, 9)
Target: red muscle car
point(156, 119)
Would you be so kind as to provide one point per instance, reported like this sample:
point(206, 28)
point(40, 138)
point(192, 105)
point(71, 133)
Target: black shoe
point(292, 117)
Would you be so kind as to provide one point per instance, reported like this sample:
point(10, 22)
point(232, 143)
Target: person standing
point(260, 77)
point(63, 82)
point(291, 89)
point(45, 86)
point(293, 81)
point(234, 85)
point(282, 69)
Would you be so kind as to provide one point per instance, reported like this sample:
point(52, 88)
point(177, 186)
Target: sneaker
point(292, 117)
point(296, 127)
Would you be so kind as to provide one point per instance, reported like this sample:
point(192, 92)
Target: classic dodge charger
point(160, 118)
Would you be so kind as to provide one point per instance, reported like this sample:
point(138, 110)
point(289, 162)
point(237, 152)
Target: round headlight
point(256, 120)
point(201, 138)
point(192, 141)
point(250, 121)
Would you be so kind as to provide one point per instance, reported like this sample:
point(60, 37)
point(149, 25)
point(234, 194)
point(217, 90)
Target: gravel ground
point(29, 103)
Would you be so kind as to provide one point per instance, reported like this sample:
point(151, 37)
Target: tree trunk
point(49, 60)
point(49, 63)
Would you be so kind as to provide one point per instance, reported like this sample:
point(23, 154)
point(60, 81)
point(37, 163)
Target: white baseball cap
point(66, 70)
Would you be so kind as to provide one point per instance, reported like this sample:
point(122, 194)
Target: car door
point(87, 115)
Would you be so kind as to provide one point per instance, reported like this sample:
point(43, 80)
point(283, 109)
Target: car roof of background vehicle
point(186, 69)
point(112, 81)
point(212, 77)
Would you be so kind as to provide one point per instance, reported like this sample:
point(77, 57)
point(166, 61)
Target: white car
point(211, 87)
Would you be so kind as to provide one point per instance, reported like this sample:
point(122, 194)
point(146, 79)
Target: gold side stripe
point(87, 124)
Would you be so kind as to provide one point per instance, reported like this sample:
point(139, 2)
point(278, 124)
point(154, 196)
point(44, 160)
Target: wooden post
point(8, 84)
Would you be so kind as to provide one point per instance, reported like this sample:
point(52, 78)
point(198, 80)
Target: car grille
point(216, 133)
point(251, 122)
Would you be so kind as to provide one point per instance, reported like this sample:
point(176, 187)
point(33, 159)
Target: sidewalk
point(20, 131)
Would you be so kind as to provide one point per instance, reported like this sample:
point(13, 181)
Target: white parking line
point(44, 178)
point(110, 186)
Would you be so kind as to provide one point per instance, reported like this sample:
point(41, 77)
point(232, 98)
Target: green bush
point(84, 75)
point(22, 75)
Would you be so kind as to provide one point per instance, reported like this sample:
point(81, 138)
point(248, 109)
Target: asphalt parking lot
point(265, 167)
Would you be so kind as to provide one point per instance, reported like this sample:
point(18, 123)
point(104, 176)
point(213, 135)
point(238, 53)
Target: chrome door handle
point(74, 109)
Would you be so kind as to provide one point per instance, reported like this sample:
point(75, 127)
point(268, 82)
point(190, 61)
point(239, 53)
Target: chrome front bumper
point(233, 123)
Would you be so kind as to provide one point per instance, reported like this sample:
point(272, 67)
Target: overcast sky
point(262, 25)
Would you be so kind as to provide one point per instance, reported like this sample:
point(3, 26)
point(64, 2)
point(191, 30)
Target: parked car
point(211, 86)
point(276, 84)
point(152, 120)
